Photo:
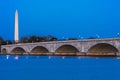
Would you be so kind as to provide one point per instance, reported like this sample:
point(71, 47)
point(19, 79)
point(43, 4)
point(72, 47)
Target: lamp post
point(63, 38)
point(118, 35)
point(79, 37)
point(97, 36)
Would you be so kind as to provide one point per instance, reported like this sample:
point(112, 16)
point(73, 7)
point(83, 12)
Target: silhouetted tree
point(43, 38)
point(4, 43)
point(53, 39)
point(24, 39)
point(49, 37)
point(33, 39)
point(1, 40)
point(91, 38)
point(72, 39)
point(8, 42)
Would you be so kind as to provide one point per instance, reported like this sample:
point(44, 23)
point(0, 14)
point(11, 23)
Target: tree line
point(33, 39)
point(29, 39)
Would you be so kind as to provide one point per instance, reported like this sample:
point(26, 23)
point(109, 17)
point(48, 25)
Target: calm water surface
point(58, 68)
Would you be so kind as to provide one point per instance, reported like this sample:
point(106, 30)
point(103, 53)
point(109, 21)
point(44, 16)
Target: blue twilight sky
point(61, 18)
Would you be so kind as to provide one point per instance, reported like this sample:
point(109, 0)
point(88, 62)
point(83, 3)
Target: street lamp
point(79, 37)
point(63, 38)
point(118, 34)
point(97, 36)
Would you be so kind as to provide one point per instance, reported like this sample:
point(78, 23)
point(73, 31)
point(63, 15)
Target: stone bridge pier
point(69, 47)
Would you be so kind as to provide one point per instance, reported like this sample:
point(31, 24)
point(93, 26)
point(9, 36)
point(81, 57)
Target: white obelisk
point(16, 34)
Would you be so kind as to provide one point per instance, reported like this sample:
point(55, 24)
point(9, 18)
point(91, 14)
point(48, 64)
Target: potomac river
point(13, 67)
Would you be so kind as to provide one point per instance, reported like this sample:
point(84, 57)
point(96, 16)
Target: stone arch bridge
point(109, 46)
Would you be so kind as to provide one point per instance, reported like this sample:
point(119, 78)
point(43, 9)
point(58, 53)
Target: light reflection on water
point(58, 68)
point(16, 57)
point(7, 56)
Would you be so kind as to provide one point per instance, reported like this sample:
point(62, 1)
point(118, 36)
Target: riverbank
point(53, 54)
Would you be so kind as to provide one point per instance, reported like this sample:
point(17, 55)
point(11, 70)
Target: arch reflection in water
point(26, 57)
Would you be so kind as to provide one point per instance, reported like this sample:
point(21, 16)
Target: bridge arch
point(102, 49)
point(4, 51)
point(18, 50)
point(39, 50)
point(67, 49)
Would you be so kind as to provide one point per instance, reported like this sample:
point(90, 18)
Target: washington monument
point(16, 34)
